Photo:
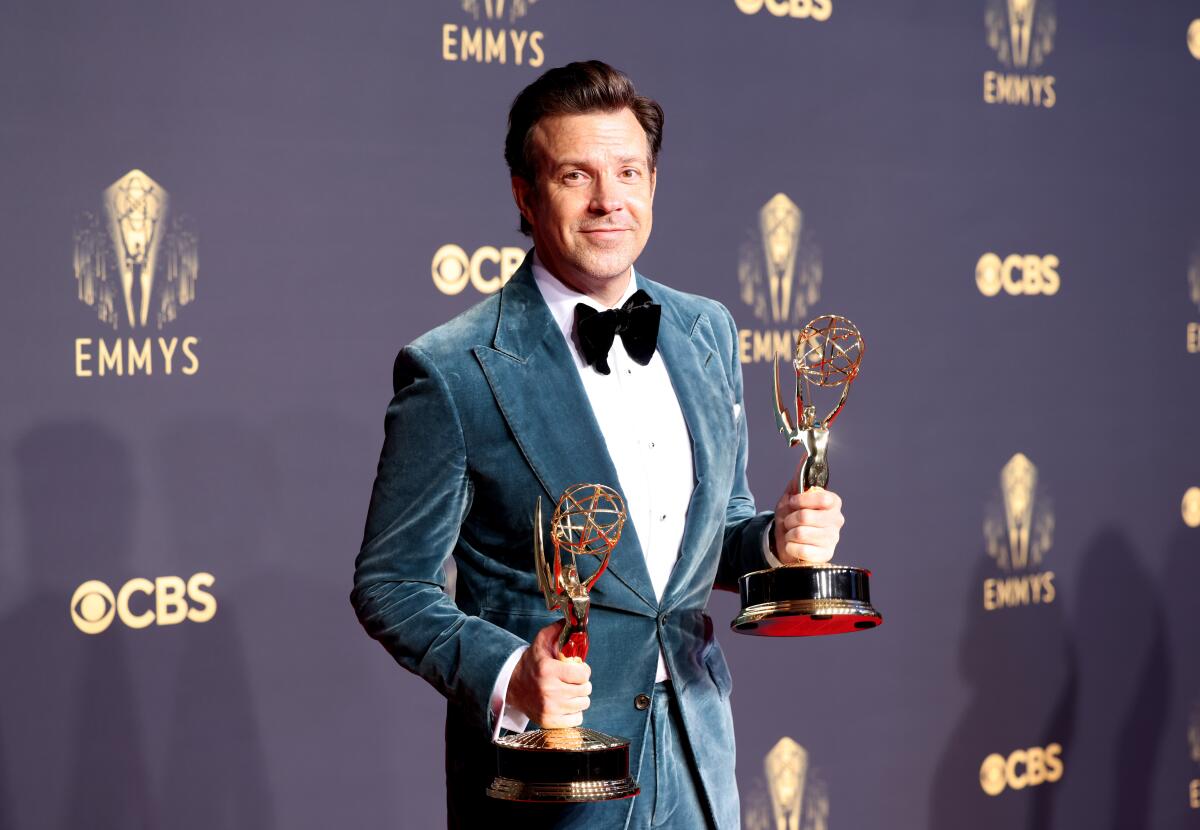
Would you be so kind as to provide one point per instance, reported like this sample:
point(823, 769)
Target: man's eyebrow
point(570, 163)
point(585, 164)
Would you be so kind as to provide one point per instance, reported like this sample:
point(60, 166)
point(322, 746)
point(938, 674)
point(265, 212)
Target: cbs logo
point(816, 9)
point(167, 600)
point(453, 268)
point(1022, 768)
point(1017, 274)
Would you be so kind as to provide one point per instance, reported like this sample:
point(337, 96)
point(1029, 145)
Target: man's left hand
point(807, 525)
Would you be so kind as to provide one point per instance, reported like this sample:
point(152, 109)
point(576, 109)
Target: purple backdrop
point(1001, 194)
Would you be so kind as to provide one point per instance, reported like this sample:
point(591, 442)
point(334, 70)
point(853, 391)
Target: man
point(521, 397)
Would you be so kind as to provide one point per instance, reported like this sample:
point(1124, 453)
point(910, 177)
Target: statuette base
point(562, 766)
point(806, 600)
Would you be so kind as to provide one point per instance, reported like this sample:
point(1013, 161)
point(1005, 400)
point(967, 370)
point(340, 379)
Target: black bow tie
point(636, 322)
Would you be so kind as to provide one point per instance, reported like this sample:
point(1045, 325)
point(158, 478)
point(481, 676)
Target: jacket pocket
point(718, 670)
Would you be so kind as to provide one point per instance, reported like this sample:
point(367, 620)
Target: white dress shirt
point(648, 441)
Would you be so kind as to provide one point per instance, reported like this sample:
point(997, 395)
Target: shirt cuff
point(507, 717)
point(772, 559)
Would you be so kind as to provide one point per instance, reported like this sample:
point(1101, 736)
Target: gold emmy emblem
point(1194, 733)
point(570, 764)
point(796, 797)
point(1194, 269)
point(1020, 25)
point(1019, 535)
point(808, 598)
point(1191, 507)
point(1018, 480)
point(128, 247)
point(780, 222)
point(786, 766)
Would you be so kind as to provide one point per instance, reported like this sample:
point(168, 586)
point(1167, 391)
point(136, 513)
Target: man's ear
point(524, 194)
point(653, 181)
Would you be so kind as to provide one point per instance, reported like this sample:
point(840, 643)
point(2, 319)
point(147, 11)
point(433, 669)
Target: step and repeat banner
point(220, 222)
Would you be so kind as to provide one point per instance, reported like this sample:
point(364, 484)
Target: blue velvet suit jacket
point(488, 415)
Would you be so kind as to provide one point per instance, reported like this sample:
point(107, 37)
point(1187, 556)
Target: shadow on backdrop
point(1019, 667)
point(215, 474)
point(1124, 673)
point(360, 733)
point(70, 718)
point(1179, 750)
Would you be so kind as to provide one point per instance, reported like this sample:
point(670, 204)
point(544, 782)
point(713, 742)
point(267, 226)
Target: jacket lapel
point(533, 377)
point(687, 346)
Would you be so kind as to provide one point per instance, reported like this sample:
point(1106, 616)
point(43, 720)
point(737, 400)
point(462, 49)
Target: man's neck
point(608, 292)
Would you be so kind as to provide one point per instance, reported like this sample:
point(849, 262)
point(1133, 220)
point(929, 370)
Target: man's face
point(591, 207)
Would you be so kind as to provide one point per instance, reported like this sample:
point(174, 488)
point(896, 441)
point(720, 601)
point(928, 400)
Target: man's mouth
point(605, 231)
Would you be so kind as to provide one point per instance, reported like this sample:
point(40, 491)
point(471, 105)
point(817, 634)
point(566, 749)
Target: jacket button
point(642, 702)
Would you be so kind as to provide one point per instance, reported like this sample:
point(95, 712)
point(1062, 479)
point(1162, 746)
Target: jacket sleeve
point(743, 550)
point(421, 496)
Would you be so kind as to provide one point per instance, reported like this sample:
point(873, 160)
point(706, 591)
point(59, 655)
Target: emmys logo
point(796, 797)
point(779, 277)
point(1193, 328)
point(1021, 33)
point(487, 269)
point(489, 44)
point(1018, 530)
point(1191, 508)
point(1193, 38)
point(168, 600)
point(136, 265)
point(1020, 769)
point(1017, 274)
point(818, 10)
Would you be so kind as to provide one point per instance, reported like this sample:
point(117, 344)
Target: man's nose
point(606, 196)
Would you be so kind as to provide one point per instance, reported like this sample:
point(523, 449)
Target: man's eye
point(573, 176)
point(630, 173)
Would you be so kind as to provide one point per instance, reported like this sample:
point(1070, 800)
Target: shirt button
point(651, 445)
point(642, 702)
point(663, 517)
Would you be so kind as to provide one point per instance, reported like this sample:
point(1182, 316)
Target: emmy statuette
point(571, 764)
point(808, 598)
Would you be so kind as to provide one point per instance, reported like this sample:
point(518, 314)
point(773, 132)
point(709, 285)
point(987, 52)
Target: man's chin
point(608, 263)
point(604, 271)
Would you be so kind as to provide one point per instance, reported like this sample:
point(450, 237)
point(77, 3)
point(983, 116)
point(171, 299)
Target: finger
point(817, 498)
point(808, 535)
point(784, 504)
point(808, 517)
point(573, 674)
point(565, 704)
point(577, 704)
point(807, 553)
point(546, 641)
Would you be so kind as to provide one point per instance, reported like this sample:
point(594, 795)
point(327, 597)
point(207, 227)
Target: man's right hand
point(553, 692)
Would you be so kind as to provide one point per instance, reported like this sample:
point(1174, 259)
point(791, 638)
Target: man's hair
point(574, 89)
